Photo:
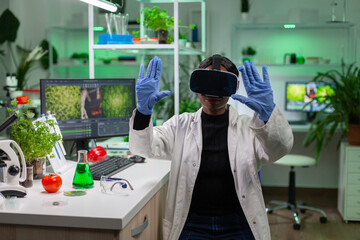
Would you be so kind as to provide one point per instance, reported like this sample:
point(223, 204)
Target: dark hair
point(225, 62)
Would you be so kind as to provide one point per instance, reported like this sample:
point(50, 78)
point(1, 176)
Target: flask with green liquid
point(82, 177)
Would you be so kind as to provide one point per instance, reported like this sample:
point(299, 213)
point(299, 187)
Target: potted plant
point(244, 10)
point(248, 53)
point(34, 137)
point(157, 19)
point(345, 101)
point(245, 6)
point(9, 25)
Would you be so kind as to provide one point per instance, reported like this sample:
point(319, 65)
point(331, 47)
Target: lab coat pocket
point(166, 229)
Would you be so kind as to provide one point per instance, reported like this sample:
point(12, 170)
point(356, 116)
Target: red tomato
point(97, 154)
point(51, 183)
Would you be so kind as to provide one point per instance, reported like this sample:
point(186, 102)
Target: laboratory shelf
point(133, 46)
point(152, 49)
point(170, 1)
point(303, 65)
point(270, 26)
point(96, 65)
point(328, 41)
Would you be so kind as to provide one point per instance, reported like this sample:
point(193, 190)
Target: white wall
point(38, 15)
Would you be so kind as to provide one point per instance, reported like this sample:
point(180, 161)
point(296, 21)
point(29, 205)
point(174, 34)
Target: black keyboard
point(110, 166)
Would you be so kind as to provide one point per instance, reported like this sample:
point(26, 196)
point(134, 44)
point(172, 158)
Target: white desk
point(94, 210)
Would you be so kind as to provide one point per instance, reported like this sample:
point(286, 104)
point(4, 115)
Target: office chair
point(294, 161)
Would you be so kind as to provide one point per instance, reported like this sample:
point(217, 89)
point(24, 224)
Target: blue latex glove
point(260, 95)
point(147, 88)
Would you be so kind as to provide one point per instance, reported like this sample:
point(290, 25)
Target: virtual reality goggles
point(214, 82)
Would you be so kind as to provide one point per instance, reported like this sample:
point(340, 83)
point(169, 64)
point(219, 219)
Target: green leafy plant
point(188, 100)
point(248, 51)
point(34, 138)
point(345, 101)
point(135, 34)
point(158, 19)
point(45, 59)
point(26, 64)
point(189, 106)
point(245, 6)
point(9, 25)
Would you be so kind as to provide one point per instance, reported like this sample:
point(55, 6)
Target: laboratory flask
point(82, 177)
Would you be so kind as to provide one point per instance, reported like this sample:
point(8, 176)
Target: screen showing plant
point(89, 108)
point(308, 96)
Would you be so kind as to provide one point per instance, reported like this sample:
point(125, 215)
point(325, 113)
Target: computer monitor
point(307, 97)
point(89, 108)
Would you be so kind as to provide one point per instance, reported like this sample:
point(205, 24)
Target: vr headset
point(214, 82)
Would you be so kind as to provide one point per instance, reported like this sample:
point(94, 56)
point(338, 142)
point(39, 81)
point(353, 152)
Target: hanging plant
point(245, 6)
point(9, 25)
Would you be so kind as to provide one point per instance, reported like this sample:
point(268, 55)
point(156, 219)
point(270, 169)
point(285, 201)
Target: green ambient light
point(289, 26)
point(98, 29)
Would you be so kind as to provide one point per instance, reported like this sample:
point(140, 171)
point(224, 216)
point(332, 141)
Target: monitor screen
point(89, 108)
point(298, 94)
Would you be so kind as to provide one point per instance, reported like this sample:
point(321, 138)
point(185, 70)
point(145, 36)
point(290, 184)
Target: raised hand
point(260, 95)
point(147, 87)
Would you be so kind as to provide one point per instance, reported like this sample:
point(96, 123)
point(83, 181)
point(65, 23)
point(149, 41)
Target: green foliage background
point(116, 101)
point(64, 101)
point(323, 92)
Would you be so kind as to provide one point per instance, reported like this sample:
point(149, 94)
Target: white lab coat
point(251, 143)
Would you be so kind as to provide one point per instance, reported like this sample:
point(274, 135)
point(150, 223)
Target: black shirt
point(214, 192)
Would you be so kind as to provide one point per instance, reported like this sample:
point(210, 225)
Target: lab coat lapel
point(232, 137)
point(196, 129)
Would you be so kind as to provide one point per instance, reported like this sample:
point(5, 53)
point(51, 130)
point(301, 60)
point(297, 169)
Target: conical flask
point(82, 177)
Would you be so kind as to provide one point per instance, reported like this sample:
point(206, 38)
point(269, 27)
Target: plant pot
point(29, 177)
point(244, 17)
point(353, 135)
point(247, 57)
point(163, 35)
point(38, 164)
point(182, 42)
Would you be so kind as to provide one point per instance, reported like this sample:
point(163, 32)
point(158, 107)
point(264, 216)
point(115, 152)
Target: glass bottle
point(82, 177)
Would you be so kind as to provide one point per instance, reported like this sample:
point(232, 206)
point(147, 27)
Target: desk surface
point(93, 210)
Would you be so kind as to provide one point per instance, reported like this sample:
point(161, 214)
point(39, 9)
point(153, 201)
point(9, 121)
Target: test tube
point(116, 23)
point(124, 22)
point(108, 23)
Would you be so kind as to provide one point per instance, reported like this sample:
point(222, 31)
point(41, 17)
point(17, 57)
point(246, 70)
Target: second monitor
point(89, 108)
point(309, 97)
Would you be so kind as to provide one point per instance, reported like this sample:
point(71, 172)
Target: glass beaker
point(82, 177)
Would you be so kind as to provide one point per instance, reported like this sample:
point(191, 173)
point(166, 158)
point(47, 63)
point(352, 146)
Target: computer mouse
point(138, 159)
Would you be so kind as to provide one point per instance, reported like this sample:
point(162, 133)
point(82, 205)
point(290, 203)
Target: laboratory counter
point(95, 215)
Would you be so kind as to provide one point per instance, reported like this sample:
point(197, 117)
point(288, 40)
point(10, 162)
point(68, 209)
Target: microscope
point(12, 172)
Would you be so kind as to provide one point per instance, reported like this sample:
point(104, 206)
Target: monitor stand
point(310, 116)
point(82, 144)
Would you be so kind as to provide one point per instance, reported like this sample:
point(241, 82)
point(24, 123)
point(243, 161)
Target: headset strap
point(216, 61)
